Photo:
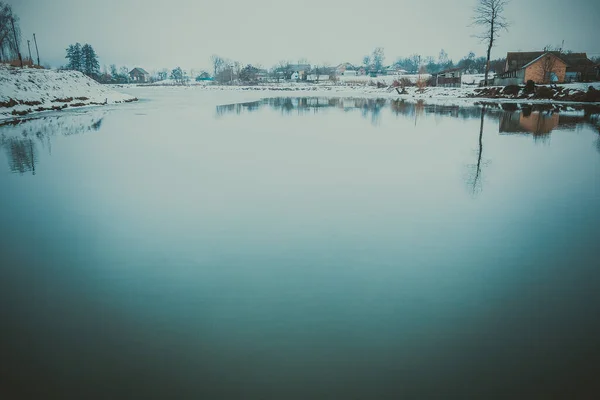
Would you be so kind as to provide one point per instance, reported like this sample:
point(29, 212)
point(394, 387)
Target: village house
point(579, 67)
point(298, 71)
point(545, 67)
point(344, 67)
point(204, 76)
point(395, 70)
point(262, 74)
point(449, 78)
point(139, 75)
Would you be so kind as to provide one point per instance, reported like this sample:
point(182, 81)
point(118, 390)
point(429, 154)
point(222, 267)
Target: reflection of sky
point(275, 250)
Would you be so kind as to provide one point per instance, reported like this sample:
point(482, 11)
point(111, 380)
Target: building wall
point(516, 80)
point(539, 123)
point(507, 81)
point(536, 71)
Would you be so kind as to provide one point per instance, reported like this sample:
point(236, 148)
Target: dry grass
point(27, 62)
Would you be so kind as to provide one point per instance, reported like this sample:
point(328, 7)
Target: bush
point(530, 87)
point(405, 82)
point(592, 95)
point(511, 90)
point(544, 92)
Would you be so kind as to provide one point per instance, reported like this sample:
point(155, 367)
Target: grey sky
point(167, 33)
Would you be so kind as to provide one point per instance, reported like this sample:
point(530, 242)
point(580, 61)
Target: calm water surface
point(300, 248)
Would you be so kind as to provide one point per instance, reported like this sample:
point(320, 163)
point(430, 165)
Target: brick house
point(538, 66)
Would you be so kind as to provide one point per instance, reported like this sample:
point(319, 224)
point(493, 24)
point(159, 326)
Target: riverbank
point(573, 93)
point(26, 91)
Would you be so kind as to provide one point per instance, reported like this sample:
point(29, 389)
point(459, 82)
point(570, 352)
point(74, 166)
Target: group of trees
point(83, 59)
point(224, 70)
point(374, 62)
point(10, 40)
point(470, 64)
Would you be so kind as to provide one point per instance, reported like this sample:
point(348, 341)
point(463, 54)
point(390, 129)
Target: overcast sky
point(166, 33)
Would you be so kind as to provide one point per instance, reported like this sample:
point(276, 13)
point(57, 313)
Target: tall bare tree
point(218, 63)
point(489, 15)
point(10, 34)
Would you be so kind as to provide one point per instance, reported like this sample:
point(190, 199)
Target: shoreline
point(461, 96)
point(28, 104)
point(26, 91)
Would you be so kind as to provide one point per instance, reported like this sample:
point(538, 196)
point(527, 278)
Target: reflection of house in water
point(19, 139)
point(538, 123)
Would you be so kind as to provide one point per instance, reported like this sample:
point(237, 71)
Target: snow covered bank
point(464, 96)
point(579, 92)
point(25, 91)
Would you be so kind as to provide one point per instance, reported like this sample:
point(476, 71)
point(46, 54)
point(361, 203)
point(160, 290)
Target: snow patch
point(27, 90)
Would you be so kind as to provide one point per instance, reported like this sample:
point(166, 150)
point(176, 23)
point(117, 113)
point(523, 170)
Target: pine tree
point(90, 64)
point(74, 55)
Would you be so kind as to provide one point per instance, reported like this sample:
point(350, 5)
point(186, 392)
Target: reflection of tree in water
point(474, 179)
point(287, 105)
point(19, 138)
point(237, 108)
point(21, 154)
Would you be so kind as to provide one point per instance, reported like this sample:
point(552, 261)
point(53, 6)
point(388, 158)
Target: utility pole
point(12, 21)
point(29, 48)
point(36, 49)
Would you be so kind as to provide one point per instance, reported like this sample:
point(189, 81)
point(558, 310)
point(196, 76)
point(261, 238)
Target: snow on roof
point(542, 56)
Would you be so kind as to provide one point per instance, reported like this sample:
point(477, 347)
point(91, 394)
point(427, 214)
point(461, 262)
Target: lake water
point(221, 246)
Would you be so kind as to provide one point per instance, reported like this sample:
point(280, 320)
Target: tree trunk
point(487, 64)
point(489, 51)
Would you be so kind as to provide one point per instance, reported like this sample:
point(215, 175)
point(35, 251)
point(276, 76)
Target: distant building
point(449, 78)
point(395, 70)
point(298, 71)
point(343, 67)
point(538, 66)
point(204, 76)
point(139, 75)
point(262, 74)
point(579, 67)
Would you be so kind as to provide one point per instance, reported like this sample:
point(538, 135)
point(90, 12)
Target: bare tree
point(367, 61)
point(217, 63)
point(10, 33)
point(549, 63)
point(489, 15)
point(474, 180)
point(378, 57)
